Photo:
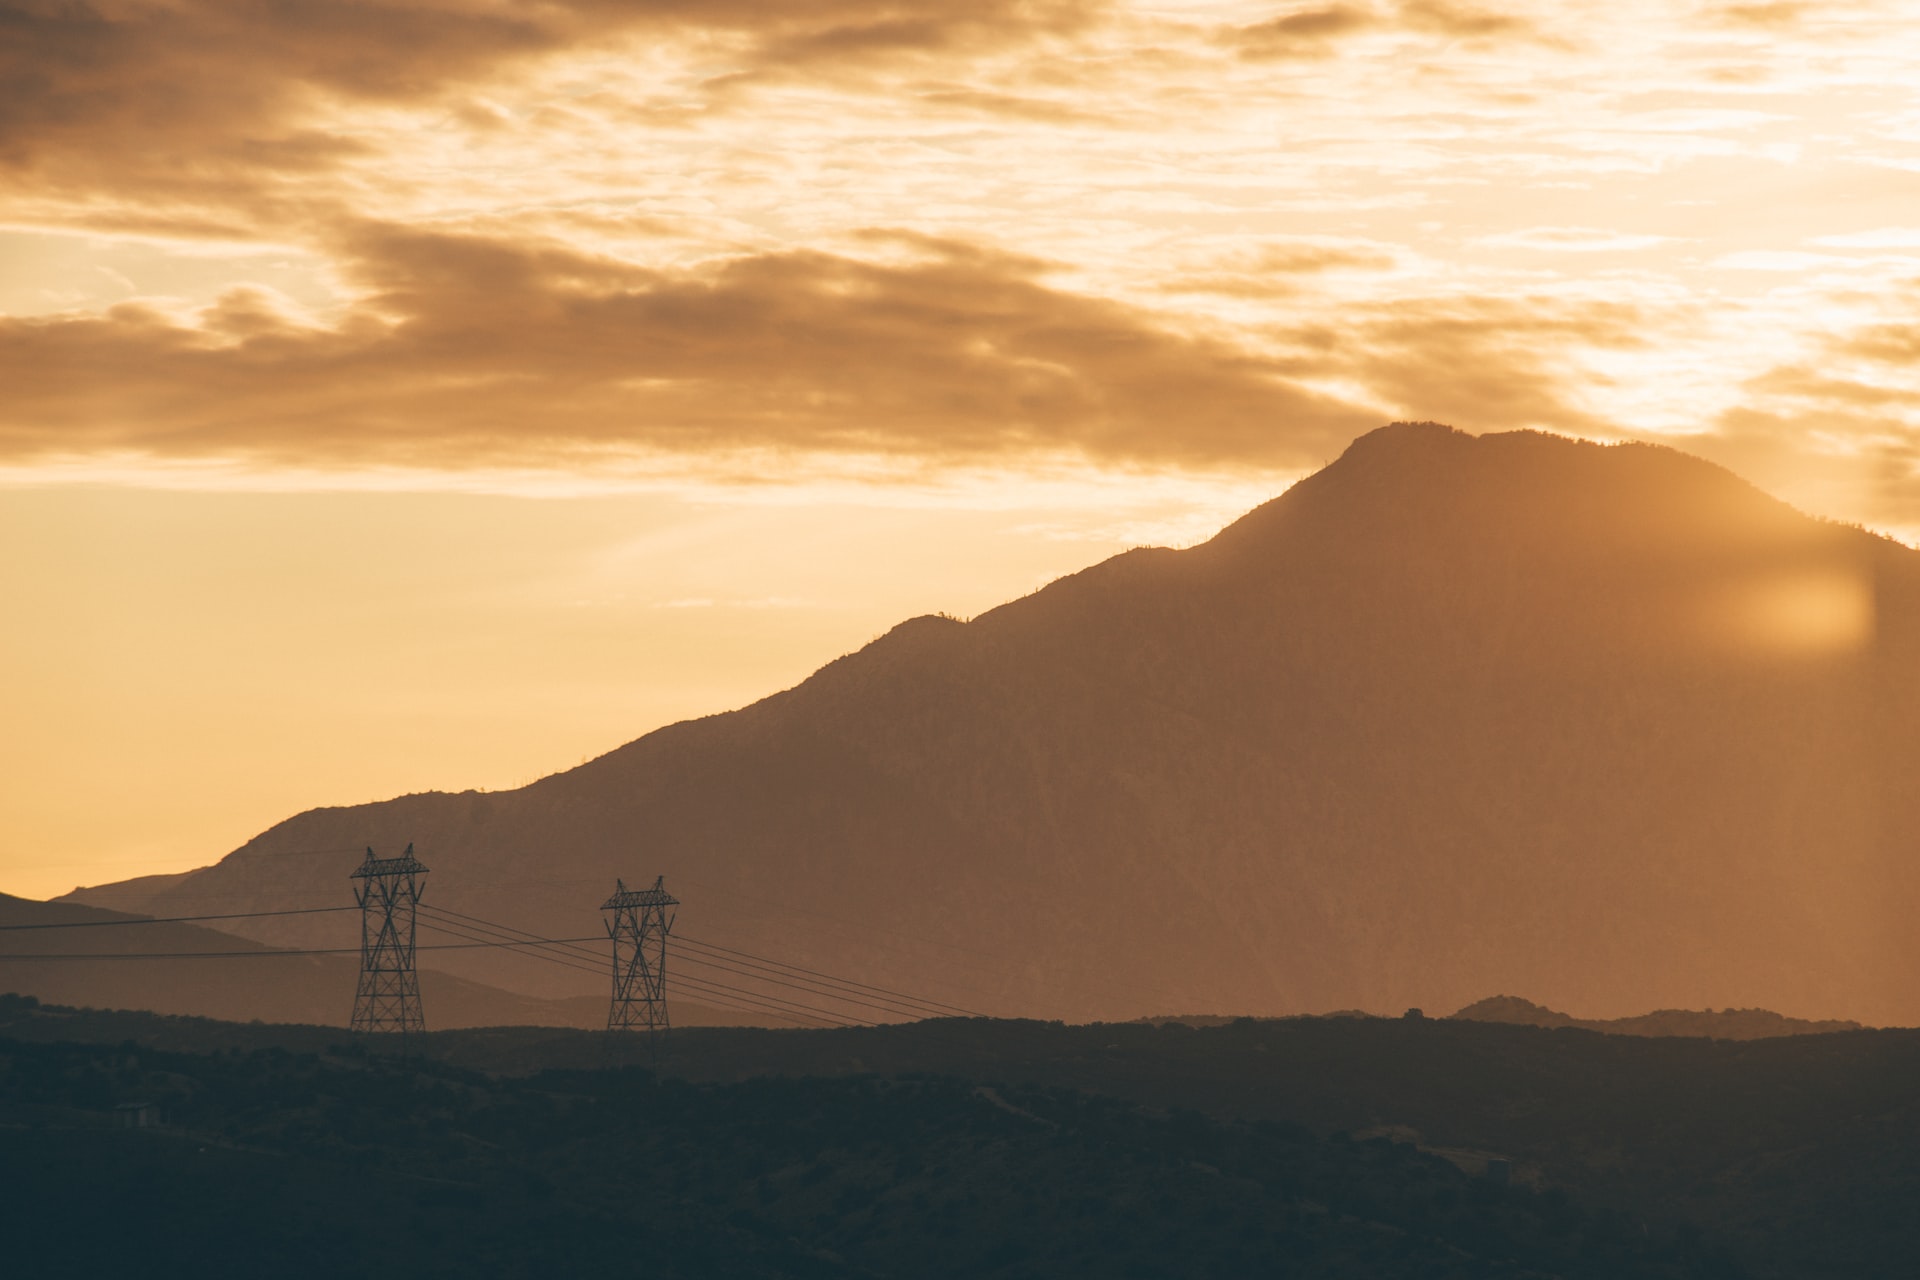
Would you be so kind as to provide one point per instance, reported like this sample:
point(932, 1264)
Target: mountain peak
point(1401, 436)
point(1408, 484)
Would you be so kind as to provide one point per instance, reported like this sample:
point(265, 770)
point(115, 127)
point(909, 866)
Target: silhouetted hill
point(1723, 1024)
point(1789, 1157)
point(263, 1157)
point(166, 968)
point(1453, 715)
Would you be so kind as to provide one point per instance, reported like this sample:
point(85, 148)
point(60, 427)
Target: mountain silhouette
point(1722, 1024)
point(1455, 714)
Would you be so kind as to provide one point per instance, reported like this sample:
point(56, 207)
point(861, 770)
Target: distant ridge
point(1723, 1024)
point(1456, 714)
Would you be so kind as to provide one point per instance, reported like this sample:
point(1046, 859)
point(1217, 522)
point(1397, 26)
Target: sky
point(403, 396)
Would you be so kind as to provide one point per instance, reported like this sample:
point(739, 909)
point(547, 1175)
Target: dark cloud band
point(469, 350)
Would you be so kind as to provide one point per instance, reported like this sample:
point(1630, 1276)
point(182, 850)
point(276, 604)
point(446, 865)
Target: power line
point(536, 955)
point(754, 1008)
point(231, 915)
point(916, 1005)
point(220, 861)
point(506, 930)
point(789, 1009)
point(811, 989)
point(868, 927)
point(943, 1009)
point(477, 934)
point(893, 1002)
point(847, 982)
point(709, 1000)
point(562, 951)
point(267, 954)
point(770, 1004)
point(786, 1010)
point(843, 1018)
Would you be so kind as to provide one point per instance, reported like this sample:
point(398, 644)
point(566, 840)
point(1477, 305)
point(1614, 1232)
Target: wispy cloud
point(1881, 238)
point(1315, 32)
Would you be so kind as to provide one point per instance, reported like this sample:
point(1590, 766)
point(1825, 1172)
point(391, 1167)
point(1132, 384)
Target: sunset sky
point(398, 396)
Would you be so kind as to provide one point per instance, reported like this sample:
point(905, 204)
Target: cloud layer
point(472, 350)
point(216, 103)
point(446, 233)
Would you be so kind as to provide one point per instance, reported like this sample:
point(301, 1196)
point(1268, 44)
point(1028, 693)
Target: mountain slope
point(1455, 714)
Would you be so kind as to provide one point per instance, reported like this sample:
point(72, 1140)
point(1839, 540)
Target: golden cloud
point(1838, 429)
point(1492, 362)
point(468, 350)
point(1303, 33)
point(1759, 15)
point(1897, 344)
point(1314, 32)
point(1462, 22)
point(1790, 450)
point(1276, 269)
point(216, 102)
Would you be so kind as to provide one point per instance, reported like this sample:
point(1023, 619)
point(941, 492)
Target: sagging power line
point(563, 952)
point(934, 1008)
point(264, 952)
point(557, 951)
point(229, 915)
point(388, 896)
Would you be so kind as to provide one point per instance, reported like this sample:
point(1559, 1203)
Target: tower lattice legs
point(388, 998)
point(638, 925)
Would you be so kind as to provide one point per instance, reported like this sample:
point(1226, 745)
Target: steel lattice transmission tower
point(639, 928)
point(388, 889)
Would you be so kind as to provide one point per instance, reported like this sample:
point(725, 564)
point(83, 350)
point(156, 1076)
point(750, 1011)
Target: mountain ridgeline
point(1454, 715)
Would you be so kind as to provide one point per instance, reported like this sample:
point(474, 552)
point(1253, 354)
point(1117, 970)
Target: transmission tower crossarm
point(654, 897)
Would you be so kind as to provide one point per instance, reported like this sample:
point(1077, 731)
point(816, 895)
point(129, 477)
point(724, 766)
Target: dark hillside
point(1791, 1157)
point(263, 1158)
